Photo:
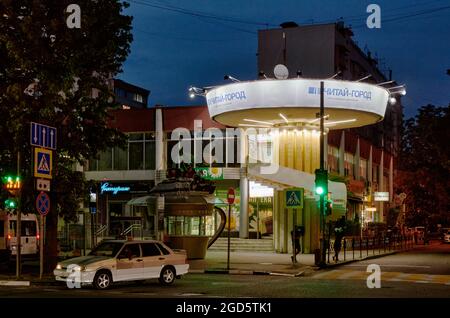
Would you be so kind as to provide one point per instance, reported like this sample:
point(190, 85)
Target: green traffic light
point(319, 190)
point(10, 204)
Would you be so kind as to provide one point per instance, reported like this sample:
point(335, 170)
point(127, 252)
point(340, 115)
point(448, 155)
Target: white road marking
point(393, 265)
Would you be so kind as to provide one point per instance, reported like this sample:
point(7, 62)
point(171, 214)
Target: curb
point(14, 283)
point(244, 272)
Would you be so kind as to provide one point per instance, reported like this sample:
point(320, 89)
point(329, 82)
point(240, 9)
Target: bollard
point(360, 247)
point(367, 246)
point(353, 247)
point(373, 245)
point(345, 245)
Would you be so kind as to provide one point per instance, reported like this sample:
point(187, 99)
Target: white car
point(120, 260)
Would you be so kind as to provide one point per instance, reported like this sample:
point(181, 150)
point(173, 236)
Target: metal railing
point(131, 229)
point(100, 231)
point(360, 247)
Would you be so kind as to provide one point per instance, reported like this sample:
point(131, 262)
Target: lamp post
point(322, 195)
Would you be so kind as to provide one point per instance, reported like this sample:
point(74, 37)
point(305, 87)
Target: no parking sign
point(43, 203)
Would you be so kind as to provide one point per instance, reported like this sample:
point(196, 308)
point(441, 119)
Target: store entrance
point(260, 211)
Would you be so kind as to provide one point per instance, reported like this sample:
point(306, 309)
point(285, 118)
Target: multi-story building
point(365, 156)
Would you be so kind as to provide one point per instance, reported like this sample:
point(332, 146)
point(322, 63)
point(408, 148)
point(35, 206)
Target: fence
point(359, 247)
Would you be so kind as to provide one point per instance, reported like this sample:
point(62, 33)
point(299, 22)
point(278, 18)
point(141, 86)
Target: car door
point(129, 263)
point(153, 260)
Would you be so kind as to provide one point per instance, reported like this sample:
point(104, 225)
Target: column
point(357, 163)
point(391, 179)
point(243, 187)
point(341, 154)
point(160, 163)
point(381, 186)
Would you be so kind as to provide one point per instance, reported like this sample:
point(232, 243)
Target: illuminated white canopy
point(274, 102)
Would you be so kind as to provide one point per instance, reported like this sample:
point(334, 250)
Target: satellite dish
point(280, 71)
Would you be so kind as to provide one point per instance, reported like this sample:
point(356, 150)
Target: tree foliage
point(425, 165)
point(55, 75)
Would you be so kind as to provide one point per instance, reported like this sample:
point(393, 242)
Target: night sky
point(178, 43)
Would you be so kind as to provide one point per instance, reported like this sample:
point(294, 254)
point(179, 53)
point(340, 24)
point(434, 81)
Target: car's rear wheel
point(167, 275)
point(102, 280)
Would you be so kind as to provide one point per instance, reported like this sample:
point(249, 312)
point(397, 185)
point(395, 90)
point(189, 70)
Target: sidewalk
point(253, 263)
point(271, 263)
point(241, 263)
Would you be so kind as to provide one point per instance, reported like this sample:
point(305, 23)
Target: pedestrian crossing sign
point(294, 198)
point(42, 163)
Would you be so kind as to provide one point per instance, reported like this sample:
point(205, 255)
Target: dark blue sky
point(172, 50)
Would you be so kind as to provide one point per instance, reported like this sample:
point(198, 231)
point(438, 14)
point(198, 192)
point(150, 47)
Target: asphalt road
point(423, 272)
point(427, 259)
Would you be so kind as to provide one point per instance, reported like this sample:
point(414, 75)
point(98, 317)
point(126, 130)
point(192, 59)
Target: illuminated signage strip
point(381, 196)
point(105, 187)
point(297, 93)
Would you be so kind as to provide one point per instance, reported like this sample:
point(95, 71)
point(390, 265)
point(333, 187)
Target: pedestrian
point(296, 242)
point(338, 235)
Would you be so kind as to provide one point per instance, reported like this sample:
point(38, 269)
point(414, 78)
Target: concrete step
point(237, 244)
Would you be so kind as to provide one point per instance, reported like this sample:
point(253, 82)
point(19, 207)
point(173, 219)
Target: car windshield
point(109, 249)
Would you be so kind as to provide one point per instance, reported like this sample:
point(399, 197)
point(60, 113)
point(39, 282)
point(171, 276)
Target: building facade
point(365, 157)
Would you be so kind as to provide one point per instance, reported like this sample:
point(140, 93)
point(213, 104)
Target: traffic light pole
point(322, 164)
point(18, 224)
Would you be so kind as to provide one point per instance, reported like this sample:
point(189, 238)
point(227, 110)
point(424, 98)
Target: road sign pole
point(294, 255)
point(230, 199)
point(229, 230)
point(18, 225)
point(322, 146)
point(41, 247)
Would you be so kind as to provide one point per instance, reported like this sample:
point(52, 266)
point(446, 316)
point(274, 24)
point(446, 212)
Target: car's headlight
point(76, 268)
point(58, 266)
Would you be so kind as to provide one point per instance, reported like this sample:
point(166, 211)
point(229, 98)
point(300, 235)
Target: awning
point(140, 201)
point(286, 178)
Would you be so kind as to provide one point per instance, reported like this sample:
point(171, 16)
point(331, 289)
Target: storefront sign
point(210, 173)
point(106, 187)
point(353, 97)
point(381, 196)
point(257, 190)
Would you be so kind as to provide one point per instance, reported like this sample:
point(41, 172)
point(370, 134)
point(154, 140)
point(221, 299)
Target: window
point(92, 165)
point(349, 164)
point(333, 159)
point(106, 249)
point(119, 92)
point(120, 158)
point(150, 249)
point(375, 173)
point(116, 209)
point(130, 251)
point(363, 169)
point(2, 229)
point(223, 144)
point(150, 155)
point(138, 98)
point(163, 249)
point(105, 160)
point(28, 228)
point(136, 156)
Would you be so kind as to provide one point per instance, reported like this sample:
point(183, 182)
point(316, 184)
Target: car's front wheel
point(167, 275)
point(102, 280)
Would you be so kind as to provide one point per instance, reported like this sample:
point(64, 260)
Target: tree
point(425, 165)
point(52, 74)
